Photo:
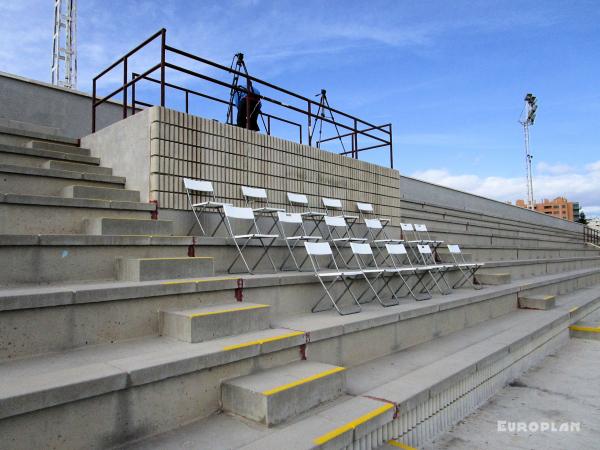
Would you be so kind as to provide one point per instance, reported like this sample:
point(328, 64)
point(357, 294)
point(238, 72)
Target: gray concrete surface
point(537, 301)
point(79, 191)
point(127, 227)
point(146, 269)
point(562, 389)
point(63, 111)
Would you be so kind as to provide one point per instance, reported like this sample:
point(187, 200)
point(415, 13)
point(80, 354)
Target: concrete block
point(147, 269)
point(585, 330)
point(493, 279)
point(212, 322)
point(56, 147)
point(76, 167)
point(276, 395)
point(113, 226)
point(537, 301)
point(80, 191)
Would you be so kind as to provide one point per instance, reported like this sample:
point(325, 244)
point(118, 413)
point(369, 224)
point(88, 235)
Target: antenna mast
point(527, 120)
point(64, 44)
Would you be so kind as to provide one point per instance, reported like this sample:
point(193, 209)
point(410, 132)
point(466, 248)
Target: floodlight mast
point(528, 119)
point(64, 44)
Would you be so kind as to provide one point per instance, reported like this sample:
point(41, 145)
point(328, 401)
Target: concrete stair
point(78, 191)
point(211, 322)
point(275, 395)
point(128, 227)
point(147, 269)
point(58, 147)
point(77, 167)
point(18, 155)
point(541, 302)
point(493, 279)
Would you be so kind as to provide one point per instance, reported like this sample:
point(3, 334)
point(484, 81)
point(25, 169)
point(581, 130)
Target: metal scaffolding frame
point(64, 44)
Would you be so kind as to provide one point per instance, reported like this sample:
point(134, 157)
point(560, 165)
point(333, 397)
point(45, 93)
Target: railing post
point(391, 148)
point(125, 88)
point(300, 133)
point(355, 141)
point(133, 94)
point(163, 43)
point(309, 123)
point(94, 105)
point(187, 102)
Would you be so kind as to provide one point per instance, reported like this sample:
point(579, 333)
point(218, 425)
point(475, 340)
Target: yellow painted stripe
point(225, 311)
point(572, 310)
point(201, 280)
point(586, 329)
point(178, 257)
point(351, 425)
point(303, 381)
point(395, 443)
point(263, 341)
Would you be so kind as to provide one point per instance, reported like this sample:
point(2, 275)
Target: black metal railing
point(591, 235)
point(359, 131)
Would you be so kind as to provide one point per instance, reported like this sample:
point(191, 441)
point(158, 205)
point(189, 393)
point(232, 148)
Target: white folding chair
point(246, 215)
point(292, 231)
point(366, 209)
point(300, 202)
point(436, 270)
point(378, 237)
point(467, 270)
point(257, 199)
point(402, 267)
point(365, 260)
point(338, 234)
point(423, 235)
point(333, 205)
point(322, 250)
point(203, 189)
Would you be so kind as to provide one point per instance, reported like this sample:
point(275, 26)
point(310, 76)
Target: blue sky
point(449, 75)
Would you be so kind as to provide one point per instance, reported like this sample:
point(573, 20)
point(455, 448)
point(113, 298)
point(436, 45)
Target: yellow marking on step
point(398, 444)
point(225, 311)
point(263, 341)
point(583, 328)
point(303, 381)
point(352, 425)
point(572, 310)
point(177, 257)
point(201, 280)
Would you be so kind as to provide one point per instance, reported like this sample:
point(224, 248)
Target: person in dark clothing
point(243, 100)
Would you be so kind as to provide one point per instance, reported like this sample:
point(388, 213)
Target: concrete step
point(79, 191)
point(585, 329)
point(541, 302)
point(212, 322)
point(58, 147)
point(146, 269)
point(19, 133)
point(493, 279)
point(51, 182)
point(275, 395)
point(76, 167)
point(20, 155)
point(128, 227)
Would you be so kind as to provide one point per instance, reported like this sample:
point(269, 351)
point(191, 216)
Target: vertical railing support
point(309, 124)
point(391, 148)
point(133, 94)
point(187, 102)
point(94, 105)
point(163, 44)
point(124, 88)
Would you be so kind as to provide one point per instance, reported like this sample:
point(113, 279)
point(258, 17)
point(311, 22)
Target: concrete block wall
point(187, 146)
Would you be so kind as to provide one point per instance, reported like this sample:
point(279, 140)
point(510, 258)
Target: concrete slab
point(79, 191)
point(276, 395)
point(586, 330)
point(113, 226)
point(47, 154)
point(541, 302)
point(77, 167)
point(58, 147)
point(211, 322)
point(146, 269)
point(493, 278)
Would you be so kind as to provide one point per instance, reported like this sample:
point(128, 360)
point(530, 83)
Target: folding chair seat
point(366, 262)
point(293, 223)
point(204, 189)
point(300, 202)
point(333, 205)
point(338, 234)
point(317, 251)
point(437, 271)
point(235, 214)
point(467, 270)
point(402, 267)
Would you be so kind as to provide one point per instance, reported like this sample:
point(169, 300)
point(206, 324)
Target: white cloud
point(582, 185)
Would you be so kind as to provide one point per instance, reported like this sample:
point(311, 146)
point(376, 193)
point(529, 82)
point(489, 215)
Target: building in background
point(559, 207)
point(594, 223)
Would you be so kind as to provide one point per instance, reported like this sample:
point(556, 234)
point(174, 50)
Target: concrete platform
point(18, 155)
point(58, 147)
point(212, 322)
point(493, 279)
point(541, 302)
point(79, 191)
point(128, 227)
point(273, 396)
point(77, 167)
point(147, 269)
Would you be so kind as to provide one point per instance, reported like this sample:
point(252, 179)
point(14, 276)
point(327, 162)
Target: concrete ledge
point(212, 322)
point(58, 147)
point(38, 135)
point(541, 302)
point(23, 199)
point(54, 173)
point(585, 330)
point(48, 154)
point(77, 167)
point(493, 279)
point(276, 395)
point(147, 269)
point(114, 226)
point(91, 192)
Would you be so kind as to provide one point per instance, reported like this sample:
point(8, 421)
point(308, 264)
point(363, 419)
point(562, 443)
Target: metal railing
point(371, 136)
point(591, 235)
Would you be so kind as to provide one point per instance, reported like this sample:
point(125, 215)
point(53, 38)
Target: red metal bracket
point(239, 291)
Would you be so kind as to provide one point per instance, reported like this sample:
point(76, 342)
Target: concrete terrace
point(120, 327)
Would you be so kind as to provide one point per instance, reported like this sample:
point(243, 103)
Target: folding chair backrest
point(421, 232)
point(336, 227)
point(398, 254)
point(199, 187)
point(240, 214)
point(408, 230)
point(364, 208)
point(363, 253)
point(317, 250)
point(361, 249)
point(335, 221)
point(456, 253)
point(426, 254)
point(286, 217)
point(299, 201)
point(290, 221)
point(374, 224)
point(254, 195)
point(332, 203)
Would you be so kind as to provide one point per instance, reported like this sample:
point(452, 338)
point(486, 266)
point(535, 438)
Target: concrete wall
point(68, 111)
point(418, 191)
